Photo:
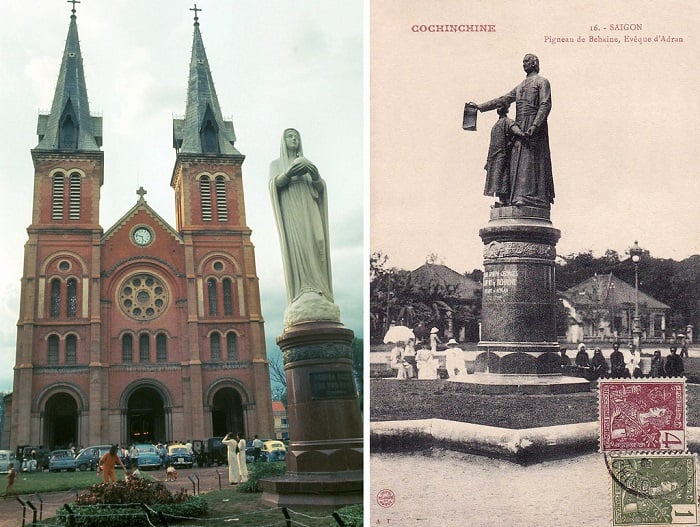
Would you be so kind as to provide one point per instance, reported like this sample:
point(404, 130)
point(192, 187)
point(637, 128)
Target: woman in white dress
point(234, 471)
point(427, 364)
point(242, 466)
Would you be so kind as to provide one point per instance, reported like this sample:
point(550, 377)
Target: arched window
point(228, 296)
point(144, 348)
point(232, 347)
point(127, 348)
point(74, 200)
point(212, 296)
point(55, 306)
point(161, 348)
point(215, 346)
point(71, 297)
point(71, 349)
point(53, 350)
point(221, 208)
point(58, 185)
point(205, 197)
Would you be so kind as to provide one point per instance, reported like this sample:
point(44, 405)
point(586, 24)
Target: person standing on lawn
point(234, 471)
point(454, 360)
point(242, 461)
point(257, 448)
point(107, 464)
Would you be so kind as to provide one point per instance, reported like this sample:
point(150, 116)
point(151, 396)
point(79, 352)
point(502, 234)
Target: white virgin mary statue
point(301, 211)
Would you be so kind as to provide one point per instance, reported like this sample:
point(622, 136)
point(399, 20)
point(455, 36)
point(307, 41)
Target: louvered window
point(205, 194)
point(74, 210)
point(58, 185)
point(221, 209)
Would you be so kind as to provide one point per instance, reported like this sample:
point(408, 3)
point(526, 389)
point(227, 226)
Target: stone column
point(518, 331)
point(324, 460)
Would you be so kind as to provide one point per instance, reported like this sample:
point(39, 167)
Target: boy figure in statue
point(497, 165)
point(530, 164)
point(301, 211)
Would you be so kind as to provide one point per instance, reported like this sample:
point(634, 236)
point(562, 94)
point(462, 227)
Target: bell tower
point(223, 291)
point(59, 326)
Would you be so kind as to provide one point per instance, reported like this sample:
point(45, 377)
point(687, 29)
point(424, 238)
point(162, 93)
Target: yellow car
point(274, 450)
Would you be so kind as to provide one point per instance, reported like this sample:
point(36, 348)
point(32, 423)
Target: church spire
point(203, 130)
point(69, 126)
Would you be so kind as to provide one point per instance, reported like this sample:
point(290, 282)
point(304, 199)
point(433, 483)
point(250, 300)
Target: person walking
point(232, 449)
point(11, 476)
point(107, 464)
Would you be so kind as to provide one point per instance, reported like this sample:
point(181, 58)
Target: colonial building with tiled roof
point(145, 331)
point(602, 308)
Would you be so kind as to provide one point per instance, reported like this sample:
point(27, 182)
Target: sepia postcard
point(601, 137)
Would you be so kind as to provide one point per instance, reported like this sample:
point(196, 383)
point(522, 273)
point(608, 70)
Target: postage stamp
point(642, 414)
point(653, 489)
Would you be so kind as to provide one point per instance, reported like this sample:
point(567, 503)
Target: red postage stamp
point(642, 414)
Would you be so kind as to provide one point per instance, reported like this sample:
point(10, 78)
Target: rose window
point(143, 297)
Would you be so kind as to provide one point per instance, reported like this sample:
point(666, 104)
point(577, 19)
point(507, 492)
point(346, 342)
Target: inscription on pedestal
point(332, 385)
point(499, 284)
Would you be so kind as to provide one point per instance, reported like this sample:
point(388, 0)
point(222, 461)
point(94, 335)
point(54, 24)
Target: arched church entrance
point(145, 416)
point(227, 412)
point(61, 421)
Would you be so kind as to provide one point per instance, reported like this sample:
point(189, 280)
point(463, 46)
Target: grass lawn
point(391, 399)
point(42, 482)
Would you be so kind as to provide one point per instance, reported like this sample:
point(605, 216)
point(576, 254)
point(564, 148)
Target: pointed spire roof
point(69, 125)
point(203, 130)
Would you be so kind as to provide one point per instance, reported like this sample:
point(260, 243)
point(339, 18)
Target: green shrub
point(118, 504)
point(351, 515)
point(258, 471)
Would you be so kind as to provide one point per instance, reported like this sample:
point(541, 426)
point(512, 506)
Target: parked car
point(32, 458)
point(213, 452)
point(7, 457)
point(250, 453)
point(179, 456)
point(148, 456)
point(62, 460)
point(274, 450)
point(89, 457)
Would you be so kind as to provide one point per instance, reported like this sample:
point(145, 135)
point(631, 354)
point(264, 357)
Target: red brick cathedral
point(142, 332)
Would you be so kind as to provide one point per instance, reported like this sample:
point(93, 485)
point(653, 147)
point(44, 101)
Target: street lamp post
point(636, 253)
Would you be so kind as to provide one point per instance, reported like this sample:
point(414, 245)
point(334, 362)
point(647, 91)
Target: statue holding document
point(529, 177)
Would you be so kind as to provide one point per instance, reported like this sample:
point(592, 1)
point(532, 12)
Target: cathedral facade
point(142, 332)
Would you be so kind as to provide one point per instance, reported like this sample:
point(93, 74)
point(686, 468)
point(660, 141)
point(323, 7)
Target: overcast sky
point(276, 64)
point(623, 128)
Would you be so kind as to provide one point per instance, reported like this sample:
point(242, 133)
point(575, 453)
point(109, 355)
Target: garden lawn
point(398, 400)
point(43, 482)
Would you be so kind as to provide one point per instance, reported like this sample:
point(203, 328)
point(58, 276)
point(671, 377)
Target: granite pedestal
point(518, 331)
point(324, 459)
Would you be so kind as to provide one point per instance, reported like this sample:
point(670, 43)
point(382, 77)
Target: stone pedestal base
point(518, 331)
point(499, 384)
point(324, 460)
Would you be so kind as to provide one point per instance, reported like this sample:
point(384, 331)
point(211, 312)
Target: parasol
point(398, 334)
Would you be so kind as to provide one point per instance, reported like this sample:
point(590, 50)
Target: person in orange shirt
point(107, 464)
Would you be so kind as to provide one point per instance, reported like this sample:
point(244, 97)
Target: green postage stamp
point(653, 489)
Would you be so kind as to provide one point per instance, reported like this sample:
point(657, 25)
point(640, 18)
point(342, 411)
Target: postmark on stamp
point(642, 414)
point(653, 489)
